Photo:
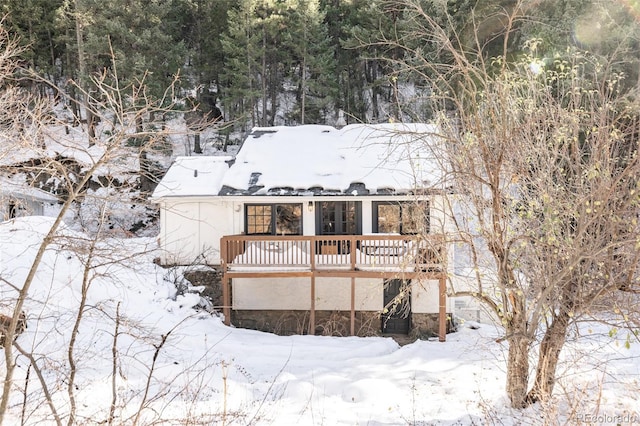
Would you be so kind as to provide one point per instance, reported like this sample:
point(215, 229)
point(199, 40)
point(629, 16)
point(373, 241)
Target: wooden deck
point(353, 256)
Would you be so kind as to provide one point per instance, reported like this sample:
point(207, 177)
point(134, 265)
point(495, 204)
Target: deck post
point(226, 294)
point(442, 309)
point(312, 263)
point(226, 299)
point(352, 259)
point(312, 311)
point(353, 306)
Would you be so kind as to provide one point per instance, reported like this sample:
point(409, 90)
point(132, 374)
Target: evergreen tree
point(242, 50)
point(341, 17)
point(272, 22)
point(201, 24)
point(311, 63)
point(325, 53)
point(371, 33)
point(134, 32)
point(36, 24)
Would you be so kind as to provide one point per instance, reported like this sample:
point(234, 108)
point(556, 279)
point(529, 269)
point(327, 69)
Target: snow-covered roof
point(313, 159)
point(17, 187)
point(193, 176)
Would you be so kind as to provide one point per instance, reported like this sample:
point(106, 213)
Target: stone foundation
point(327, 323)
point(426, 325)
point(211, 281)
point(331, 323)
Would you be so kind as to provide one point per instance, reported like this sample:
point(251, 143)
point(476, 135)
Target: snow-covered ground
point(207, 373)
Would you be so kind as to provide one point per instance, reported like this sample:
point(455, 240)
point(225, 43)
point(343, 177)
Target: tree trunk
point(146, 181)
point(72, 90)
point(518, 370)
point(517, 330)
point(273, 91)
point(263, 119)
point(303, 86)
point(550, 348)
point(197, 148)
point(82, 72)
point(370, 71)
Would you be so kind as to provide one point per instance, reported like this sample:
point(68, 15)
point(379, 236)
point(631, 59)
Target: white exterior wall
point(331, 294)
point(424, 297)
point(192, 229)
point(308, 218)
point(295, 294)
point(262, 293)
point(335, 294)
point(23, 206)
point(439, 216)
point(367, 215)
point(191, 226)
point(467, 307)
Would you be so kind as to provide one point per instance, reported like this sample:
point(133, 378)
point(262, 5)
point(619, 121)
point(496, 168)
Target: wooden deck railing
point(401, 253)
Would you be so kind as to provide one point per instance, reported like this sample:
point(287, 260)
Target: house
point(18, 199)
point(316, 229)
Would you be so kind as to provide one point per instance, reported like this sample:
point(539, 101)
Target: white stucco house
point(317, 229)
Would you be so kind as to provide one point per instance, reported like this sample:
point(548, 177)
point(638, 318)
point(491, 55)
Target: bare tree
point(544, 163)
point(83, 174)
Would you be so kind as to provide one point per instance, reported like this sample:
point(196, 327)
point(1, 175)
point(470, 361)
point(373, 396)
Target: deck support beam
point(312, 310)
point(226, 299)
point(442, 309)
point(353, 306)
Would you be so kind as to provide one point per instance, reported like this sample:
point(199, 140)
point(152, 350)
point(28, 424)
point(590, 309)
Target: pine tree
point(311, 61)
point(141, 47)
point(341, 17)
point(35, 24)
point(242, 50)
point(367, 32)
point(201, 24)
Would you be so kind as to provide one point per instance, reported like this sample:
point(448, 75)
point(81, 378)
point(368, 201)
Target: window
point(401, 217)
point(338, 218)
point(273, 219)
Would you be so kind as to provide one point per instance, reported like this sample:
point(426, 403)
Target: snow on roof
point(17, 187)
point(193, 176)
point(357, 159)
